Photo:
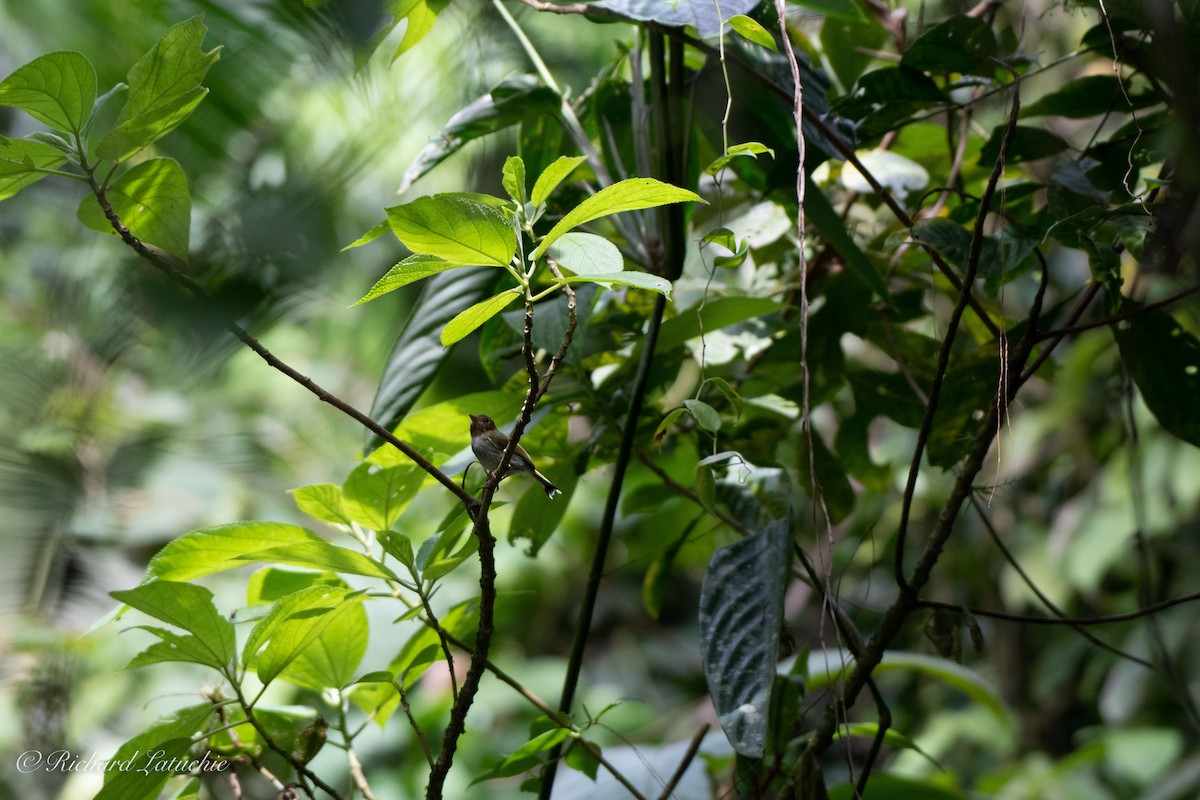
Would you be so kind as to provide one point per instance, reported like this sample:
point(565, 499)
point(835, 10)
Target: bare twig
point(275, 362)
point(693, 748)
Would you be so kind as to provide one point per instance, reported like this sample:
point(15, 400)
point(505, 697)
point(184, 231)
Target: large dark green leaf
point(1087, 97)
point(707, 16)
point(820, 213)
point(518, 98)
point(741, 610)
point(1028, 144)
point(418, 351)
point(1164, 360)
point(960, 44)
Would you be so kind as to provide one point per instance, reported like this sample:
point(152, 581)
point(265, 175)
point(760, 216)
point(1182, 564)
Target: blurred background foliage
point(127, 418)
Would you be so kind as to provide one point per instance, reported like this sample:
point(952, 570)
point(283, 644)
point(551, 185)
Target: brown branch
point(1058, 333)
point(677, 776)
point(1033, 587)
point(272, 360)
point(943, 362)
point(1030, 619)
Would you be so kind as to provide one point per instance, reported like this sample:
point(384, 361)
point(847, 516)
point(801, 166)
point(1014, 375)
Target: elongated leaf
point(57, 89)
point(516, 99)
point(837, 9)
point(455, 228)
point(750, 29)
point(586, 254)
point(639, 280)
point(751, 149)
point(414, 268)
point(188, 607)
point(417, 353)
point(322, 555)
point(715, 314)
point(1164, 360)
point(552, 176)
point(208, 550)
point(709, 17)
point(525, 757)
point(627, 195)
point(476, 315)
point(153, 201)
point(421, 16)
point(741, 610)
point(513, 179)
point(20, 160)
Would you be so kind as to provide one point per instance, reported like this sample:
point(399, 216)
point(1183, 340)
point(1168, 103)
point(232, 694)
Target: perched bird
point(488, 444)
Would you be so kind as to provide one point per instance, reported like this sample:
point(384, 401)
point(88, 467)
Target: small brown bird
point(488, 444)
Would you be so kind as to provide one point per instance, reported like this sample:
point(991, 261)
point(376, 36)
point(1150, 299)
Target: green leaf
point(476, 315)
point(639, 280)
point(306, 623)
point(455, 228)
point(841, 40)
point(526, 756)
point(58, 89)
point(741, 610)
point(374, 496)
point(1028, 144)
point(152, 201)
point(138, 133)
point(1088, 96)
point(552, 176)
point(751, 149)
point(654, 584)
point(715, 314)
point(513, 179)
point(174, 647)
point(581, 759)
point(188, 607)
point(377, 230)
point(535, 519)
point(421, 15)
point(1164, 360)
point(704, 414)
point(208, 550)
point(667, 423)
point(322, 555)
point(960, 44)
point(821, 215)
point(586, 254)
point(398, 546)
point(269, 584)
point(518, 99)
point(416, 356)
point(627, 195)
point(444, 427)
point(169, 737)
point(171, 69)
point(322, 501)
point(20, 160)
point(837, 9)
point(750, 30)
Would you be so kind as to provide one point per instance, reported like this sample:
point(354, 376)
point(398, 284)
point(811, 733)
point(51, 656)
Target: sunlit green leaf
point(152, 201)
point(188, 607)
point(208, 550)
point(626, 195)
point(322, 501)
point(751, 149)
point(322, 555)
point(639, 280)
point(552, 176)
point(455, 228)
point(57, 89)
point(375, 496)
point(586, 254)
point(513, 179)
point(476, 315)
point(750, 29)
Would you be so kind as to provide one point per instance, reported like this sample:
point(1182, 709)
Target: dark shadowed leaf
point(1164, 360)
point(741, 610)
